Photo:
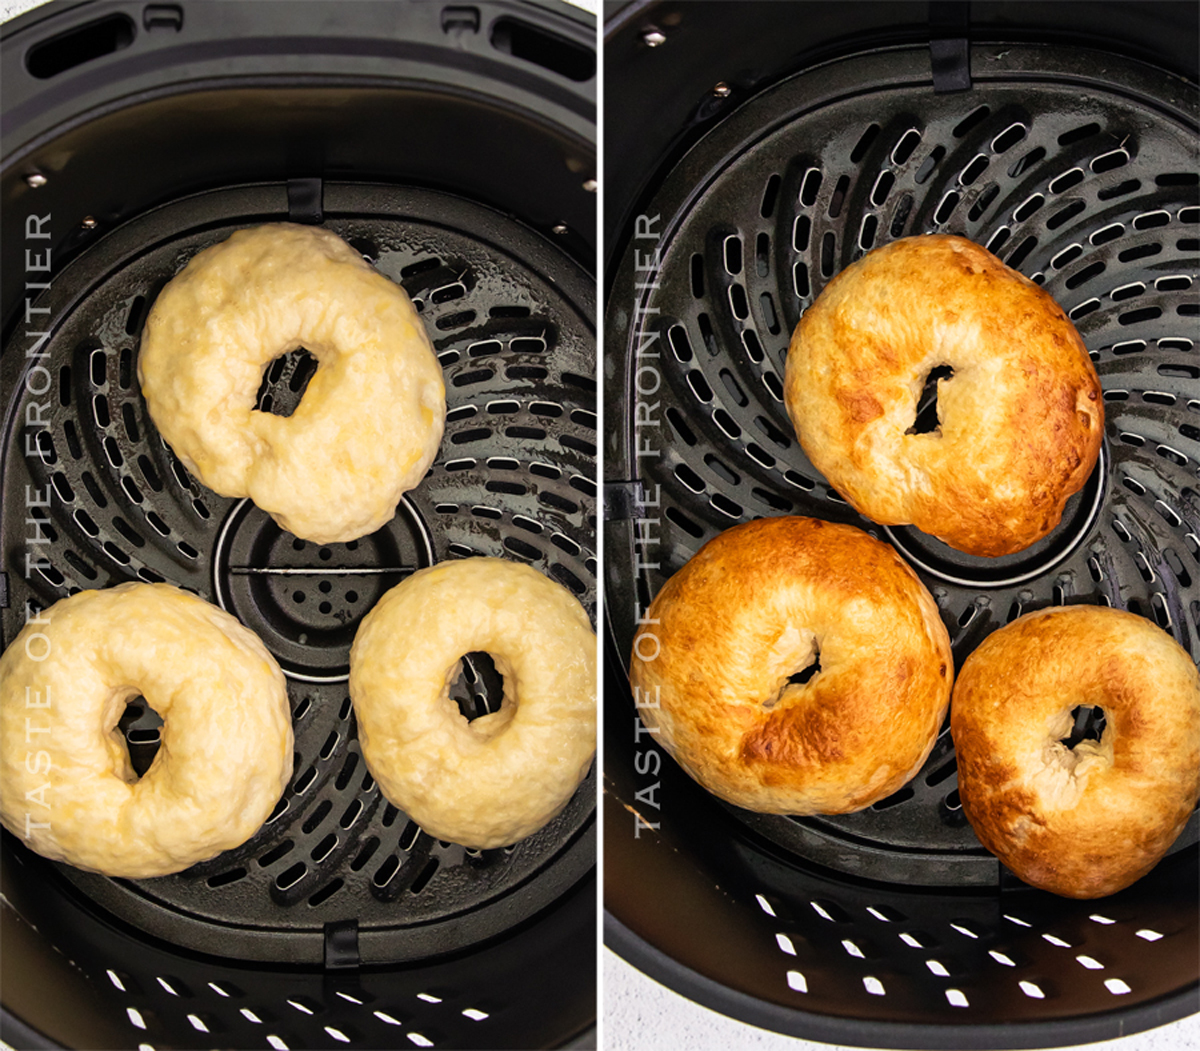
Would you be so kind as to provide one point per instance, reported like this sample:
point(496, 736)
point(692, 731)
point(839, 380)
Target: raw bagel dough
point(226, 751)
point(371, 420)
point(1020, 420)
point(753, 607)
point(1087, 821)
point(498, 778)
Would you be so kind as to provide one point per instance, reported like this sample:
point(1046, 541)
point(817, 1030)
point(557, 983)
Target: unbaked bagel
point(367, 427)
point(1087, 821)
point(713, 660)
point(67, 788)
point(498, 778)
point(1020, 420)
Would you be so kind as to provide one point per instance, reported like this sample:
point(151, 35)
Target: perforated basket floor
point(1090, 188)
point(510, 318)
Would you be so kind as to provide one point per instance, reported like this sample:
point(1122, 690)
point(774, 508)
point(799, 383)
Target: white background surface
point(12, 8)
point(641, 1015)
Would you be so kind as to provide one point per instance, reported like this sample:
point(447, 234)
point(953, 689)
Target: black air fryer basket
point(454, 146)
point(753, 151)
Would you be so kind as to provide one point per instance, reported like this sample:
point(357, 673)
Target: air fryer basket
point(892, 927)
point(341, 922)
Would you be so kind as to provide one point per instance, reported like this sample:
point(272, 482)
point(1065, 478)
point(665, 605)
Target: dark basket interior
point(340, 922)
point(893, 926)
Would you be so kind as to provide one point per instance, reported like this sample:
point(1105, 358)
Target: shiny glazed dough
point(498, 778)
point(1088, 821)
point(369, 423)
point(226, 751)
point(1020, 420)
point(753, 607)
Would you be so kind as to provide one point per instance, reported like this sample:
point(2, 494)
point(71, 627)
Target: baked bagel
point(1084, 821)
point(715, 659)
point(67, 788)
point(1020, 420)
point(370, 421)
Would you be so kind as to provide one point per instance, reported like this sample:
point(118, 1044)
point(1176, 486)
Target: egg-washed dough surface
point(67, 788)
point(498, 778)
point(370, 422)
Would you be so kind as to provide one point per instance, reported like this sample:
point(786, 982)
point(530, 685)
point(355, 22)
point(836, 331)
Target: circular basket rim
point(674, 194)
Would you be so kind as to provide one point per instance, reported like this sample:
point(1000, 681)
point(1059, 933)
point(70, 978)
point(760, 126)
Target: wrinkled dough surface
point(369, 423)
point(711, 665)
point(1089, 821)
point(494, 780)
point(1021, 419)
point(226, 752)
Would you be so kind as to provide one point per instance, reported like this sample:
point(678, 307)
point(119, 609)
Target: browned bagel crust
point(743, 615)
point(1087, 822)
point(1021, 419)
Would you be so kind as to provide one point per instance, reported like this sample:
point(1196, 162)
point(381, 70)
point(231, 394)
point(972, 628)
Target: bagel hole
point(805, 674)
point(478, 689)
point(1088, 724)
point(798, 678)
point(926, 421)
point(284, 382)
point(141, 726)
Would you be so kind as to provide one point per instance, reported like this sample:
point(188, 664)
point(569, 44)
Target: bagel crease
point(502, 776)
point(68, 790)
point(369, 423)
point(754, 606)
point(1088, 821)
point(1020, 420)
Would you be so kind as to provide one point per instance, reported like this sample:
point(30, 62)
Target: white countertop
point(641, 1015)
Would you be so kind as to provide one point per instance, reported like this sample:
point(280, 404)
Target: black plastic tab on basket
point(306, 199)
point(949, 50)
point(341, 945)
point(621, 500)
point(162, 16)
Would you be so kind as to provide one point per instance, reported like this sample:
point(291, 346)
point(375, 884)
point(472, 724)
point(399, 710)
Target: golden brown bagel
point(753, 607)
point(1087, 821)
point(1020, 420)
